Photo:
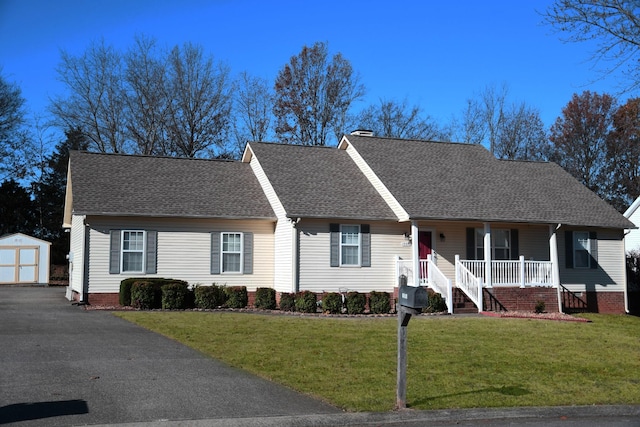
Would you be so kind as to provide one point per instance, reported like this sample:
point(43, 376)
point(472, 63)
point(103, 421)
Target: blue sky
point(435, 53)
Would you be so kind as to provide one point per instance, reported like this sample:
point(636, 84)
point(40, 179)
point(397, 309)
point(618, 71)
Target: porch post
point(522, 271)
point(416, 253)
point(487, 255)
point(555, 266)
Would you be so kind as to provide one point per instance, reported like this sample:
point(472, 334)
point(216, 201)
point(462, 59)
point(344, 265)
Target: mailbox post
point(410, 300)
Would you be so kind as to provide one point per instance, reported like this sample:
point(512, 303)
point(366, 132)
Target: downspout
point(295, 245)
point(555, 267)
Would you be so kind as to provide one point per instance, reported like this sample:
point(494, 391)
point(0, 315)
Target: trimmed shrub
point(306, 302)
point(145, 295)
point(265, 298)
point(175, 296)
point(124, 296)
point(208, 297)
point(436, 303)
point(237, 296)
point(540, 307)
point(332, 303)
point(356, 302)
point(287, 302)
point(379, 302)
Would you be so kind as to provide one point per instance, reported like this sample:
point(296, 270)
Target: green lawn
point(452, 362)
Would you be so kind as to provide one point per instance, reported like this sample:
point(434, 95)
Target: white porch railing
point(430, 275)
point(514, 273)
point(439, 282)
point(468, 282)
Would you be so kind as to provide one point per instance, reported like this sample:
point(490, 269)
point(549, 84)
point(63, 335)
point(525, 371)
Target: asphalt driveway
point(63, 365)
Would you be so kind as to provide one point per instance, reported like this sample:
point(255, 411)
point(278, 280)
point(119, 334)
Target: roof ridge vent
point(362, 132)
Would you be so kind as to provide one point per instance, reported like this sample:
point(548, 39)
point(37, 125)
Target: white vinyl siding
point(609, 276)
point(183, 251)
point(76, 251)
point(317, 275)
point(283, 234)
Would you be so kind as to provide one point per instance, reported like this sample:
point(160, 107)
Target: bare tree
point(521, 135)
point(253, 110)
point(580, 136)
point(146, 98)
point(313, 96)
point(147, 101)
point(614, 24)
point(15, 140)
point(200, 108)
point(397, 120)
point(95, 103)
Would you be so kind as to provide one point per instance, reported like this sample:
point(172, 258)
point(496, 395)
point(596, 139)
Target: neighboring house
point(632, 239)
point(24, 259)
point(367, 215)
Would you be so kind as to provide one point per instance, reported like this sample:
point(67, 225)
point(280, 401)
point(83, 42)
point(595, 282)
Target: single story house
point(24, 259)
point(370, 214)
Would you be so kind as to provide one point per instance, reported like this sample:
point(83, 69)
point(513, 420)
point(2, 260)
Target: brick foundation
point(522, 299)
point(595, 302)
point(103, 299)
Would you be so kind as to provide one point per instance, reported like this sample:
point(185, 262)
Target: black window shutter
point(215, 253)
point(152, 252)
point(334, 230)
point(593, 244)
point(568, 249)
point(515, 244)
point(247, 267)
point(365, 257)
point(471, 243)
point(114, 252)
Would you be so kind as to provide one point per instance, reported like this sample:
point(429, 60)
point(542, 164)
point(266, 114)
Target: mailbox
point(413, 297)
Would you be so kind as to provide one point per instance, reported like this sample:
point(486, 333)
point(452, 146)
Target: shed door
point(19, 264)
point(8, 258)
point(28, 265)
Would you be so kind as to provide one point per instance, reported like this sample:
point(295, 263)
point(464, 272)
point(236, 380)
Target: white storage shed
point(24, 259)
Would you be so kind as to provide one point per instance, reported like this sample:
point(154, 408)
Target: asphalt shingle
point(320, 182)
point(453, 181)
point(116, 184)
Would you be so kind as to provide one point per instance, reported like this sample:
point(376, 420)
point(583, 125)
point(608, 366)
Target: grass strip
point(453, 362)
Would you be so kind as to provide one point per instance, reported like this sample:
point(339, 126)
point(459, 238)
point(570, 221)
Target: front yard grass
point(453, 362)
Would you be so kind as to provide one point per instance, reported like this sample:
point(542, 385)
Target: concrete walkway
point(61, 365)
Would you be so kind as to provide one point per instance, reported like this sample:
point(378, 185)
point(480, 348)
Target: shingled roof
point(319, 182)
point(452, 181)
point(115, 184)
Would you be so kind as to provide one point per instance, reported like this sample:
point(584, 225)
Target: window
point(231, 252)
point(500, 244)
point(581, 249)
point(132, 251)
point(349, 245)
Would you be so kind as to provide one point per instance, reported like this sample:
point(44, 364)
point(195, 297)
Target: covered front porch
point(478, 279)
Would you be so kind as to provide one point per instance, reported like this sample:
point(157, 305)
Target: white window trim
point(222, 252)
point(575, 249)
point(359, 245)
point(480, 244)
point(123, 251)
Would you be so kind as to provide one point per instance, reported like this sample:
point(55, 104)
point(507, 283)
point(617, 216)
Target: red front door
point(424, 249)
